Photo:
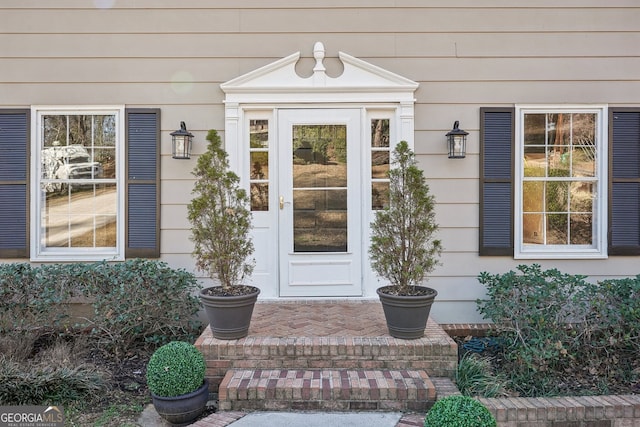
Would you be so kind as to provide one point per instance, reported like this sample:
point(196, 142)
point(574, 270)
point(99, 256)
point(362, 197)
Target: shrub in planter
point(175, 377)
point(404, 248)
point(459, 411)
point(220, 230)
point(175, 368)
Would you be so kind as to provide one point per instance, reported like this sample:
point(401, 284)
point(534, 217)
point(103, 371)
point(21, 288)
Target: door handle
point(281, 202)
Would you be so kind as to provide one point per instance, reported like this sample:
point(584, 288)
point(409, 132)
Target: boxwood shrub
point(174, 369)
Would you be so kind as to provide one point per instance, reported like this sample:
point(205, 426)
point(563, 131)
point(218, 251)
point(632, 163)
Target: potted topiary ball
point(459, 411)
point(175, 377)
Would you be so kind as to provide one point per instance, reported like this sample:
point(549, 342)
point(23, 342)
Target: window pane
point(380, 164)
point(259, 133)
point(581, 229)
point(557, 233)
point(259, 197)
point(532, 228)
point(320, 220)
point(54, 131)
point(106, 161)
point(319, 156)
point(104, 131)
point(559, 129)
point(535, 161)
point(259, 165)
point(582, 197)
point(81, 231)
point(556, 196)
point(379, 195)
point(533, 196)
point(105, 227)
point(105, 199)
point(80, 130)
point(558, 161)
point(534, 129)
point(583, 162)
point(380, 133)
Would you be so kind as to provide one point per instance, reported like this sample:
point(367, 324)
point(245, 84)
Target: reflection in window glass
point(259, 164)
point(380, 163)
point(319, 164)
point(78, 181)
point(559, 169)
point(320, 220)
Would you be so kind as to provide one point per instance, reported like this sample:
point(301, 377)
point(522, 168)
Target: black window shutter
point(624, 181)
point(496, 181)
point(14, 183)
point(142, 183)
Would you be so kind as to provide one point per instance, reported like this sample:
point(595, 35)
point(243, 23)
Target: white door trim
point(277, 85)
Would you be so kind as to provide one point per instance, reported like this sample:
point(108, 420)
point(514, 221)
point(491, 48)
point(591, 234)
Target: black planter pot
point(229, 316)
point(182, 410)
point(407, 315)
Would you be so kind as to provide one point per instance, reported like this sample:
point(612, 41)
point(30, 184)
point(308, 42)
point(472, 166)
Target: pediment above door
point(359, 82)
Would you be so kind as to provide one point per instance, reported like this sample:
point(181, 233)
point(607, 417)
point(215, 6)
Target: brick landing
point(330, 335)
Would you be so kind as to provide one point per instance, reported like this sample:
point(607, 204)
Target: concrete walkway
point(150, 418)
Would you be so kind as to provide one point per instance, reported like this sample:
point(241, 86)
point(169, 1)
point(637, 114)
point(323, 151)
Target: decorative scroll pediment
point(279, 81)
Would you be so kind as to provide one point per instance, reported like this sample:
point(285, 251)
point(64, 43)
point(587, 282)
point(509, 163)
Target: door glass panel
point(319, 188)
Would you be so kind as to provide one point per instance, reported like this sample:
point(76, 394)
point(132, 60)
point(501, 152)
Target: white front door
point(319, 202)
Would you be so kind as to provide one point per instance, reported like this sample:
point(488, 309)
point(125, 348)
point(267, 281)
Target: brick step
point(326, 389)
point(436, 353)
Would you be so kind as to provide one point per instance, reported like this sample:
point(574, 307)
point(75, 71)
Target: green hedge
point(136, 303)
point(552, 322)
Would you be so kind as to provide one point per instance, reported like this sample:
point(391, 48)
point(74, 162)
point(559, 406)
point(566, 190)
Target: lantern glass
point(457, 142)
point(181, 141)
point(457, 146)
point(181, 147)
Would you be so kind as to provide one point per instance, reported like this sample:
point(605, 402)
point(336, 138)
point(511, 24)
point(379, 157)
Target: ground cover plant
point(459, 411)
point(561, 334)
point(94, 366)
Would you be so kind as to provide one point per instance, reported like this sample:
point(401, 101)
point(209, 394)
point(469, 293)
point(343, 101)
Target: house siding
point(466, 54)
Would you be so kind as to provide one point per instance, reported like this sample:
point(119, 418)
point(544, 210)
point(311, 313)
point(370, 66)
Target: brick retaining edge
point(568, 411)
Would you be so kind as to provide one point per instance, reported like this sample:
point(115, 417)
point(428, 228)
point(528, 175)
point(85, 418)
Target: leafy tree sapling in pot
point(220, 229)
point(404, 248)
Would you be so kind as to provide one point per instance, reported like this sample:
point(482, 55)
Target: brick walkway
point(318, 319)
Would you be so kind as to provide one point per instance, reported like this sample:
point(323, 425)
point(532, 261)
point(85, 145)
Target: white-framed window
point(77, 183)
point(560, 182)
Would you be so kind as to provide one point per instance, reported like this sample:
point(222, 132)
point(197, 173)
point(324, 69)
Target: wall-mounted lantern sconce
point(181, 143)
point(457, 142)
